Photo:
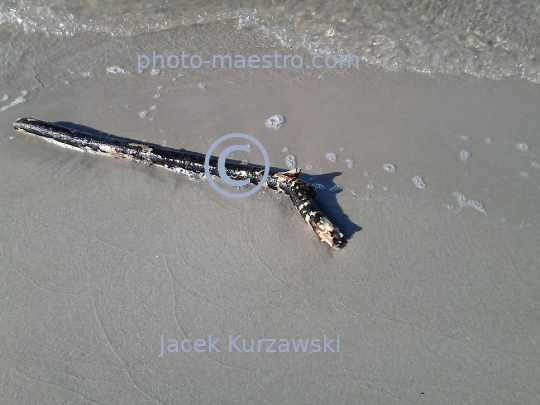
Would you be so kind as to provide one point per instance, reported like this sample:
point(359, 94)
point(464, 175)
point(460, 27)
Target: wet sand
point(433, 303)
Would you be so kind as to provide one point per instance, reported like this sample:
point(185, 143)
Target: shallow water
point(492, 39)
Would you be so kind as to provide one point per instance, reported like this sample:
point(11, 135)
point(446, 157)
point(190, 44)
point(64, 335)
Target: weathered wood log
point(300, 192)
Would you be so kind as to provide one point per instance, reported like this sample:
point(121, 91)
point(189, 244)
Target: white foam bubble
point(142, 114)
point(87, 74)
point(349, 163)
point(464, 155)
point(275, 121)
point(332, 157)
point(17, 101)
point(154, 107)
point(536, 164)
point(202, 86)
point(370, 186)
point(159, 87)
point(464, 138)
point(285, 149)
point(154, 72)
point(389, 168)
point(290, 161)
point(366, 174)
point(525, 174)
point(117, 70)
point(157, 95)
point(522, 146)
point(464, 201)
point(309, 167)
point(488, 141)
point(5, 98)
point(419, 182)
point(386, 188)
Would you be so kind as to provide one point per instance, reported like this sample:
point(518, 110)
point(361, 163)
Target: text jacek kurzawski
point(240, 344)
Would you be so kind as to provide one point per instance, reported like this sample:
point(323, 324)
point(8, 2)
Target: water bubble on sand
point(87, 74)
point(478, 205)
point(318, 186)
point(370, 186)
point(525, 174)
point(389, 168)
point(154, 107)
point(349, 163)
point(536, 164)
point(526, 225)
point(157, 95)
point(275, 121)
point(464, 138)
point(464, 201)
point(202, 86)
point(5, 97)
point(464, 155)
point(290, 161)
point(309, 167)
point(18, 100)
point(419, 182)
point(488, 141)
point(522, 146)
point(151, 119)
point(386, 188)
point(366, 174)
point(117, 70)
point(142, 114)
point(154, 72)
point(332, 157)
point(285, 149)
point(159, 87)
point(336, 188)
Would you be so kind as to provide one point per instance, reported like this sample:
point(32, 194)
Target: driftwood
point(301, 193)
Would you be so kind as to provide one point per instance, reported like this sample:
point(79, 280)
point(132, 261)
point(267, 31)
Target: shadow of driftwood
point(326, 197)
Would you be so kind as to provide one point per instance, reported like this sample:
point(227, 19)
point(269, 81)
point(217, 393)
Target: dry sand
point(433, 304)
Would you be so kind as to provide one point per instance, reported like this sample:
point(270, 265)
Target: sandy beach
point(129, 284)
point(101, 256)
